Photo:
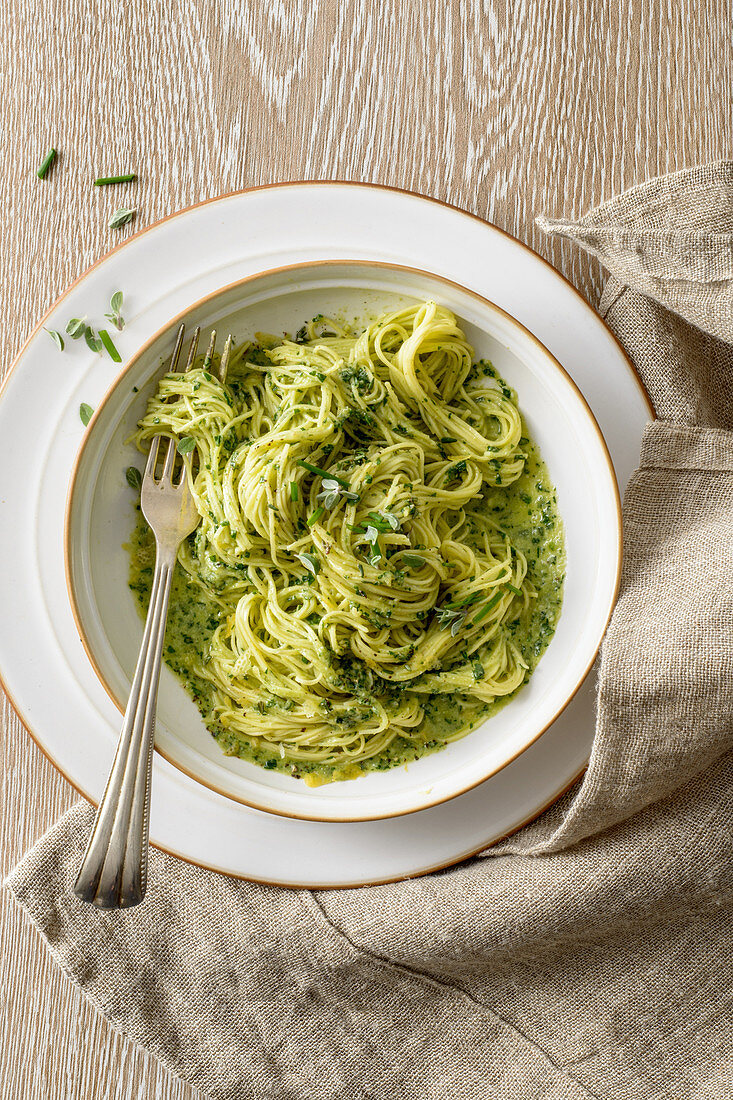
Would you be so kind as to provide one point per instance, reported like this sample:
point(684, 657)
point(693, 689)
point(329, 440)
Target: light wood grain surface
point(506, 109)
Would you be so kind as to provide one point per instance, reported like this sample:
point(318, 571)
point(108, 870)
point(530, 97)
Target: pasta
point(351, 572)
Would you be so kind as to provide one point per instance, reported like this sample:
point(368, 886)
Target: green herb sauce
point(526, 510)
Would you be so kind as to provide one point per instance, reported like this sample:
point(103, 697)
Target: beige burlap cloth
point(591, 955)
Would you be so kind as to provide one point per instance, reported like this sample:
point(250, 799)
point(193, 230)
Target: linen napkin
point(590, 955)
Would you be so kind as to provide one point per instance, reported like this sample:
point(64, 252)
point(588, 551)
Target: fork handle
point(113, 873)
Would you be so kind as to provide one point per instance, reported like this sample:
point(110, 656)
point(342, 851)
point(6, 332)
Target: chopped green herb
point(413, 560)
point(76, 327)
point(115, 314)
point(310, 561)
point(133, 477)
point(186, 445)
point(106, 339)
point(86, 412)
point(56, 337)
point(487, 608)
point(92, 343)
point(322, 473)
point(315, 516)
point(43, 167)
point(121, 217)
point(105, 181)
point(293, 490)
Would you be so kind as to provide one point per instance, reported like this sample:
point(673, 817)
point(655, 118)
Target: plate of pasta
point(408, 549)
point(191, 257)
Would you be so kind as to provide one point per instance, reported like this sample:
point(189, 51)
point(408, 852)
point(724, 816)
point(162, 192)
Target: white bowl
point(100, 518)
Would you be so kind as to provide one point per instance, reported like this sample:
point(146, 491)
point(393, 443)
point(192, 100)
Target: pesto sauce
point(526, 510)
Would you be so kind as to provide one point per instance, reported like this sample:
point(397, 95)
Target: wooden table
point(505, 109)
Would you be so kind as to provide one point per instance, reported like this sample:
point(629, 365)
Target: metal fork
point(113, 873)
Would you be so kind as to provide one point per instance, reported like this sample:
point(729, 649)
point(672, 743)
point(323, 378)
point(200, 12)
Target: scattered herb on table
point(86, 412)
point(121, 217)
point(43, 167)
point(105, 181)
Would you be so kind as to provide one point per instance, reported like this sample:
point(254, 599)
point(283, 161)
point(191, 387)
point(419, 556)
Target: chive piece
point(56, 337)
point(46, 163)
point(108, 342)
point(465, 602)
point(86, 412)
point(186, 445)
point(516, 591)
point(315, 516)
point(121, 217)
point(293, 490)
point(76, 327)
point(105, 181)
point(322, 473)
point(133, 477)
point(487, 608)
point(92, 343)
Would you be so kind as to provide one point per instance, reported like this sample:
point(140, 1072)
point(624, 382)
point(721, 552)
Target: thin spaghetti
point(339, 479)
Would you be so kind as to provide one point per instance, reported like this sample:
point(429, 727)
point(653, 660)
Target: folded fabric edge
point(69, 976)
point(711, 253)
point(377, 989)
point(668, 184)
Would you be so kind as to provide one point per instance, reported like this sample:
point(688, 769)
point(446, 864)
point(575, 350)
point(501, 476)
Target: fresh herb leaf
point(115, 314)
point(414, 561)
point(86, 412)
point(56, 337)
point(106, 339)
point(92, 343)
point(133, 477)
point(478, 671)
point(76, 327)
point(310, 561)
point(121, 217)
point(186, 445)
point(105, 181)
point(43, 167)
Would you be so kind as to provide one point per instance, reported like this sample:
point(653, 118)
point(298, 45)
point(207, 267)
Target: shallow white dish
point(43, 664)
point(100, 519)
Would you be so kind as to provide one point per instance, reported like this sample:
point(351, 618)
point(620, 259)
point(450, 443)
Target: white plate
point(101, 516)
point(161, 271)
